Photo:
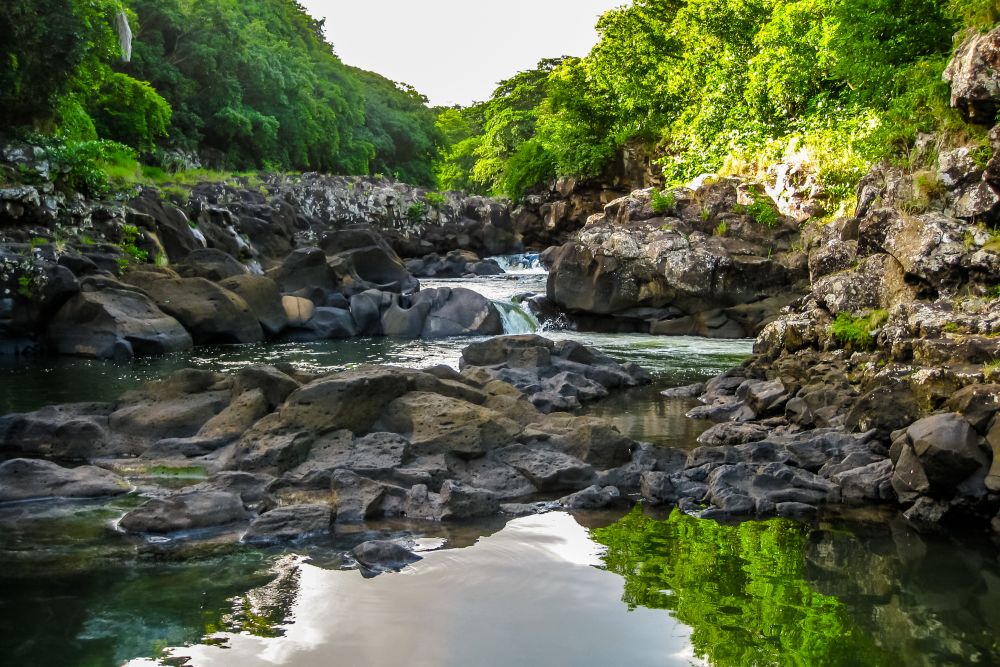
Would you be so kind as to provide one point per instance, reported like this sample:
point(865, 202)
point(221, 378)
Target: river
point(629, 586)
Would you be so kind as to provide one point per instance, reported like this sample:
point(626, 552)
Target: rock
point(73, 431)
point(383, 555)
point(275, 385)
point(298, 311)
point(993, 440)
point(974, 75)
point(211, 264)
point(591, 498)
point(978, 403)
point(265, 301)
point(908, 478)
point(287, 524)
point(459, 501)
point(327, 323)
point(361, 260)
point(304, 268)
point(171, 224)
point(547, 470)
point(185, 511)
point(926, 513)
point(947, 449)
point(870, 483)
point(209, 312)
point(587, 438)
point(440, 424)
point(357, 497)
point(687, 391)
point(268, 447)
point(117, 324)
point(30, 479)
point(486, 473)
point(461, 312)
point(351, 399)
point(236, 418)
point(172, 417)
point(763, 397)
point(733, 433)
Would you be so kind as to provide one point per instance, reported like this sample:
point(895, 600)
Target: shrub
point(416, 211)
point(721, 229)
point(435, 199)
point(855, 333)
point(763, 212)
point(662, 201)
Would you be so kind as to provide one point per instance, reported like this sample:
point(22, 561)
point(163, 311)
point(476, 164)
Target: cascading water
point(524, 263)
point(516, 320)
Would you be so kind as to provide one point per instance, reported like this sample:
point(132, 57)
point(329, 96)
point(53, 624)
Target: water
point(609, 588)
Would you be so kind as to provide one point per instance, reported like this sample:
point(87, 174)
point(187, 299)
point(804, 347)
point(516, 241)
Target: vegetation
point(855, 333)
point(724, 86)
point(662, 201)
point(237, 85)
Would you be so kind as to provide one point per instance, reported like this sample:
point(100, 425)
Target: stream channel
point(633, 587)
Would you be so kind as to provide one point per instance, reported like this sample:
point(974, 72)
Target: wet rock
point(288, 524)
point(326, 323)
point(459, 501)
point(185, 511)
point(115, 324)
point(591, 498)
point(30, 479)
point(486, 473)
point(461, 312)
point(687, 391)
point(383, 555)
point(926, 513)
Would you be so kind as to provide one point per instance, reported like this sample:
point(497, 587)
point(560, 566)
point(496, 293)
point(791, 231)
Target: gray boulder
point(185, 511)
point(30, 479)
point(287, 524)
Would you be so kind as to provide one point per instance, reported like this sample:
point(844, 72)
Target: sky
point(456, 51)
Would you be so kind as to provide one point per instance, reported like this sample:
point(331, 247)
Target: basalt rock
point(32, 479)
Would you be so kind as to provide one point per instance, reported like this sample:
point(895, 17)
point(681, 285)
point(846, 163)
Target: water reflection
point(781, 593)
point(643, 414)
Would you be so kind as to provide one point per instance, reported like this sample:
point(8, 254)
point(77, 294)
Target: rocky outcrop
point(974, 75)
point(717, 261)
point(289, 457)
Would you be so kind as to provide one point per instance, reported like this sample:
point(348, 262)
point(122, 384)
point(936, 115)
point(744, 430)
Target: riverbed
point(629, 586)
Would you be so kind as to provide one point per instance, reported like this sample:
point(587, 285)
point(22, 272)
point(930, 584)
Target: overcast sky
point(456, 51)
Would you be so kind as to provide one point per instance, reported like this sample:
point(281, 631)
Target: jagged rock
point(351, 399)
point(974, 75)
point(870, 483)
point(286, 524)
point(357, 497)
point(237, 418)
point(275, 385)
point(29, 479)
point(115, 323)
point(185, 511)
point(977, 403)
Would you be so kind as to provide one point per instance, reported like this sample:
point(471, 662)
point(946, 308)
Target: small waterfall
point(516, 320)
point(525, 263)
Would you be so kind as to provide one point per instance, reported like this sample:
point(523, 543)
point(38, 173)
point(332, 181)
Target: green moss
point(991, 370)
point(855, 333)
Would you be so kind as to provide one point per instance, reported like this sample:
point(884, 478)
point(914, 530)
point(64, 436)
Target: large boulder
point(73, 431)
point(461, 312)
point(350, 400)
point(115, 323)
point(212, 314)
point(434, 423)
point(361, 260)
point(947, 448)
point(262, 295)
point(29, 479)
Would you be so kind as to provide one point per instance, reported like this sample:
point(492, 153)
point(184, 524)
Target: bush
point(662, 201)
point(85, 166)
point(435, 199)
point(763, 212)
point(855, 333)
point(416, 211)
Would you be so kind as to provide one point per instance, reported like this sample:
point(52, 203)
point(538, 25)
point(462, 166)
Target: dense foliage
point(241, 84)
point(725, 84)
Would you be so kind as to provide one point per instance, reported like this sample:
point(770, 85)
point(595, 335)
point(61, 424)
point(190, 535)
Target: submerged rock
point(383, 555)
point(287, 524)
point(185, 511)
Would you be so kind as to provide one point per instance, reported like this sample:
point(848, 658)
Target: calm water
point(611, 588)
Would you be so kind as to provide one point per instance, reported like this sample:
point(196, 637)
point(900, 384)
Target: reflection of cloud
point(529, 594)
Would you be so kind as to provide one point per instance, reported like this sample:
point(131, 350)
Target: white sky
point(456, 51)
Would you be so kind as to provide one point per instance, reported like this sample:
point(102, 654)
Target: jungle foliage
point(717, 85)
point(248, 84)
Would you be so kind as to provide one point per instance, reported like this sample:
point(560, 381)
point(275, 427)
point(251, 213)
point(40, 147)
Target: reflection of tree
point(740, 588)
